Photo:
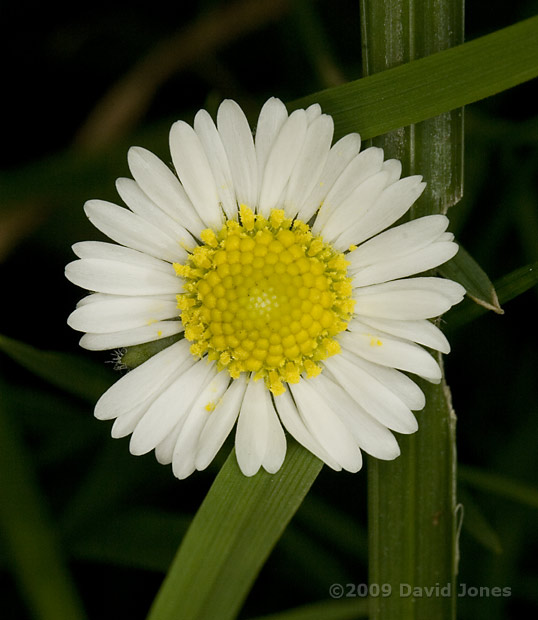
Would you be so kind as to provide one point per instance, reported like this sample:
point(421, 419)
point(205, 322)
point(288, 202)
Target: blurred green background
point(83, 82)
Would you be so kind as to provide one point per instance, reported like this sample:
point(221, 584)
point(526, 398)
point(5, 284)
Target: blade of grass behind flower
point(29, 534)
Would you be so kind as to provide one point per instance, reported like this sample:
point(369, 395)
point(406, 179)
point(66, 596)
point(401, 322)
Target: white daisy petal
point(183, 460)
point(281, 160)
point(125, 424)
point(252, 429)
point(398, 383)
point(294, 424)
point(130, 337)
point(113, 252)
point(142, 205)
point(422, 332)
point(275, 450)
point(313, 112)
point(352, 209)
point(389, 351)
point(372, 437)
point(220, 422)
point(372, 395)
point(412, 299)
point(169, 408)
point(310, 163)
point(216, 155)
point(326, 426)
point(129, 229)
point(108, 276)
point(144, 382)
point(427, 258)
point(237, 139)
point(272, 116)
point(194, 171)
point(112, 315)
point(164, 451)
point(394, 168)
point(360, 168)
point(399, 241)
point(392, 203)
point(160, 184)
point(339, 157)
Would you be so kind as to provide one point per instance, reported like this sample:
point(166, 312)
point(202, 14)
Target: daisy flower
point(293, 310)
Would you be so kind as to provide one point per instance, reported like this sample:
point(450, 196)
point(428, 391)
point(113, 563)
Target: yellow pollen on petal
point(265, 296)
point(375, 342)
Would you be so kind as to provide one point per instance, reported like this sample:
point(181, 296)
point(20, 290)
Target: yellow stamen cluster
point(265, 296)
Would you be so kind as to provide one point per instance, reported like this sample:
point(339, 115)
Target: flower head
point(292, 308)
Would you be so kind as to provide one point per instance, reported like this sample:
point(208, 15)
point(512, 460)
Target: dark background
point(59, 62)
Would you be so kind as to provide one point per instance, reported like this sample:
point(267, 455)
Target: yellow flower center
point(265, 296)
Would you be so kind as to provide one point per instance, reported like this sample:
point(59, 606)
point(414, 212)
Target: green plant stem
point(412, 500)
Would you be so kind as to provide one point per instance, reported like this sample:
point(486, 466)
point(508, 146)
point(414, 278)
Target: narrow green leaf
point(433, 85)
point(29, 536)
point(464, 269)
point(508, 287)
point(231, 536)
point(476, 524)
point(346, 609)
point(71, 373)
point(503, 486)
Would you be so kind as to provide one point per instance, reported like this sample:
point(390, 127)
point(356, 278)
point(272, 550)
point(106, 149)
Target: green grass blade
point(29, 535)
point(433, 85)
point(502, 486)
point(71, 373)
point(464, 269)
point(231, 536)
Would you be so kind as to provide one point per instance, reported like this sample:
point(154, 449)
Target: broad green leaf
point(345, 609)
point(508, 287)
point(476, 524)
point(231, 536)
point(503, 486)
point(464, 269)
point(29, 535)
point(71, 373)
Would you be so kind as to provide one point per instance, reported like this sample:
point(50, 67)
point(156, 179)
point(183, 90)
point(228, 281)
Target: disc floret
point(264, 295)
